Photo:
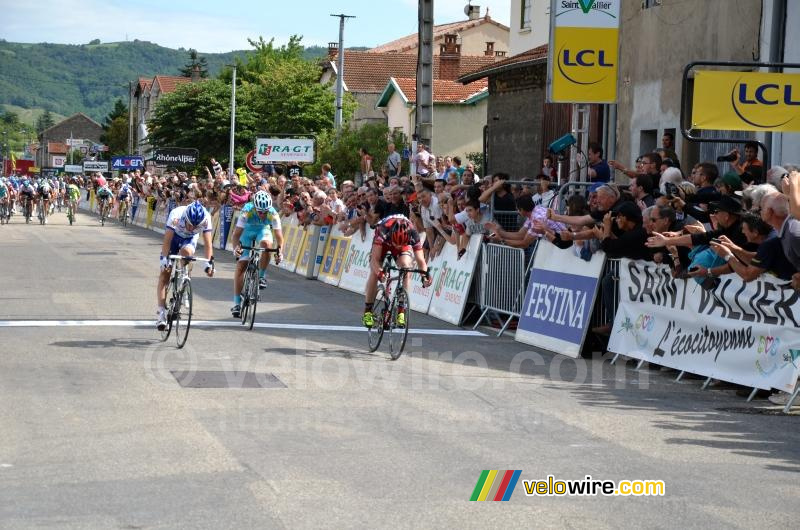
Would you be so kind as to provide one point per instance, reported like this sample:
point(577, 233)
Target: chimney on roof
point(196, 73)
point(450, 57)
point(473, 12)
point(489, 49)
point(499, 53)
point(333, 47)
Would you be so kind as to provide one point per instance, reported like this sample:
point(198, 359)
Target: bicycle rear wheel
point(183, 313)
point(379, 311)
point(246, 288)
point(397, 335)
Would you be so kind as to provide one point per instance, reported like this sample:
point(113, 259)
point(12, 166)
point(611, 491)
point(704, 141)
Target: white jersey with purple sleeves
point(176, 223)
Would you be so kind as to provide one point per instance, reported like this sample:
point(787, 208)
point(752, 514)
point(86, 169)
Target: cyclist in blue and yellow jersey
point(257, 223)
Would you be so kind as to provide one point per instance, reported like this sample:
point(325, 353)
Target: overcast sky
point(221, 26)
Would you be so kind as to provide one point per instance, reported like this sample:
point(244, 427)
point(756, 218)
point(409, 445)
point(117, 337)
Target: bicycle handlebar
point(261, 249)
point(175, 257)
point(409, 271)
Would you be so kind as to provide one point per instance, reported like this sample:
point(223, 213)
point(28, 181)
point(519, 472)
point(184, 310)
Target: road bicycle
point(179, 298)
point(71, 208)
point(250, 291)
point(5, 211)
point(42, 211)
point(123, 212)
point(27, 209)
point(386, 308)
point(104, 208)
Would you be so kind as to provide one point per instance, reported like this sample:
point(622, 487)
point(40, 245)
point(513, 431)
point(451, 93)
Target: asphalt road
point(96, 431)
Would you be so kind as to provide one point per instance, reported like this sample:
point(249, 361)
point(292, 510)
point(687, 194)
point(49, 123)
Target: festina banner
point(89, 165)
point(559, 300)
point(176, 156)
point(284, 150)
point(743, 333)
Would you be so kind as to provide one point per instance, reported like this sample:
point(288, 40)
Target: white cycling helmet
point(262, 201)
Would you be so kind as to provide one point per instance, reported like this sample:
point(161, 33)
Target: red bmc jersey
point(383, 237)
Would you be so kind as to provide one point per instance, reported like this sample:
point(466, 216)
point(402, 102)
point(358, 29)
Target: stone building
point(53, 142)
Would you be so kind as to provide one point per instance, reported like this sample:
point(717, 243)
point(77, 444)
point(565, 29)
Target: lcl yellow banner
point(584, 65)
point(746, 101)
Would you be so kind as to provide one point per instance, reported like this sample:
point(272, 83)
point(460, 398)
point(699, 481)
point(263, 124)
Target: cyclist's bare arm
point(168, 234)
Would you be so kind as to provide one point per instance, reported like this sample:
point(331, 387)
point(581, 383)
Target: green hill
point(68, 78)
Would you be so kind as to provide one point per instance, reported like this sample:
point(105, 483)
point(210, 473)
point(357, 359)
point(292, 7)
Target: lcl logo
point(582, 59)
point(769, 94)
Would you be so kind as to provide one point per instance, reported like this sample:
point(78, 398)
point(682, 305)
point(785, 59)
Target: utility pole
point(233, 121)
point(337, 118)
point(130, 113)
point(424, 115)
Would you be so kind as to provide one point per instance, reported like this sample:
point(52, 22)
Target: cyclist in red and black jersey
point(394, 234)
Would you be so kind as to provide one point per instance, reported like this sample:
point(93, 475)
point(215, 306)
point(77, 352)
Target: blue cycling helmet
point(262, 201)
point(194, 213)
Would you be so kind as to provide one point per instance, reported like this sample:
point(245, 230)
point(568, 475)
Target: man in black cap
point(630, 243)
point(726, 214)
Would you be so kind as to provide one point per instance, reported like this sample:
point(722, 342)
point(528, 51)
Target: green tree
point(115, 129)
point(278, 91)
point(120, 110)
point(115, 136)
point(342, 154)
point(195, 61)
point(45, 121)
point(198, 115)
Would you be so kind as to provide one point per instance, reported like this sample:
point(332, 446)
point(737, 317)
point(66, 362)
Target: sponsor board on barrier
point(312, 250)
point(453, 280)
point(743, 333)
point(746, 101)
point(559, 299)
point(333, 259)
point(293, 239)
point(356, 263)
point(584, 51)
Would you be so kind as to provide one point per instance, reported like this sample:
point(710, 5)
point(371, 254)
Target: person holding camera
point(751, 169)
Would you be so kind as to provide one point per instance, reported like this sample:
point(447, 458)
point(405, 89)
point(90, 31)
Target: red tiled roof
point(168, 83)
point(58, 148)
point(444, 90)
point(533, 56)
point(410, 42)
point(366, 71)
point(144, 83)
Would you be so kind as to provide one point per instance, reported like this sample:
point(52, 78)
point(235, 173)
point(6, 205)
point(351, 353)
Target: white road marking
point(220, 324)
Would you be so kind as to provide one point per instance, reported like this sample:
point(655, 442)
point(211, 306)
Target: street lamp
point(4, 152)
point(233, 121)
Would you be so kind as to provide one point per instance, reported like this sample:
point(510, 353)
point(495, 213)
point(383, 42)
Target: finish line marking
point(219, 324)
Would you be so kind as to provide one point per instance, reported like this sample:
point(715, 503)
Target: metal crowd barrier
point(599, 314)
point(502, 282)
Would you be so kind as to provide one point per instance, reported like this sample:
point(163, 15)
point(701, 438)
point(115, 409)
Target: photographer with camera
point(751, 169)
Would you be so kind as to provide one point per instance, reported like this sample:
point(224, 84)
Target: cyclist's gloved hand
point(426, 279)
point(210, 266)
point(164, 262)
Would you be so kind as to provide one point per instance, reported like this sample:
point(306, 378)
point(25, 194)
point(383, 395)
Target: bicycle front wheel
point(380, 311)
point(253, 297)
point(170, 296)
point(183, 313)
point(398, 335)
